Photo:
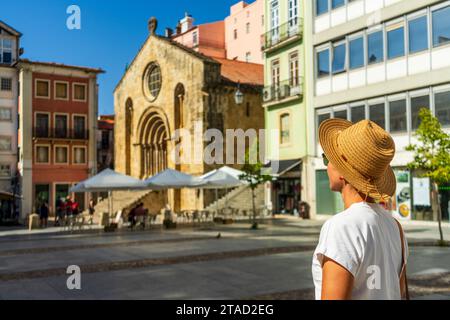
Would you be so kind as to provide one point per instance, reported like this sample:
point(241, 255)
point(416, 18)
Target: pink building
point(208, 38)
point(235, 38)
point(243, 29)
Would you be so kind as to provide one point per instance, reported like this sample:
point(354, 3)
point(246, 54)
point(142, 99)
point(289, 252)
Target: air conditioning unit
point(285, 91)
point(268, 94)
point(297, 90)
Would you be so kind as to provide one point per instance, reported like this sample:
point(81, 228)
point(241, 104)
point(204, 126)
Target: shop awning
point(280, 167)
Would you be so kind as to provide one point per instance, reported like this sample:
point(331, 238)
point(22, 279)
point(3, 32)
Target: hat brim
point(380, 188)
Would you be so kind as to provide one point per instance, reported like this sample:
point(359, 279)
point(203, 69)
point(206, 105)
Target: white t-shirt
point(364, 239)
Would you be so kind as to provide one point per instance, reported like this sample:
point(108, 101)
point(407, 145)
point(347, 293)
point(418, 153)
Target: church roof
point(251, 74)
point(243, 72)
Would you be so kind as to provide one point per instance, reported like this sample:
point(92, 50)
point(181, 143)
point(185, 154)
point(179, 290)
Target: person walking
point(43, 214)
point(362, 252)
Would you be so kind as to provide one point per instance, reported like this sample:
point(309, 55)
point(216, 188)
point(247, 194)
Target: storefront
point(8, 208)
point(286, 189)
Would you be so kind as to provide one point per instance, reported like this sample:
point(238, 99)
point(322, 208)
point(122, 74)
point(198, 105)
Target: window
point(235, 35)
point(274, 19)
point(5, 114)
point(358, 113)
point(341, 114)
point(396, 42)
point(61, 90)
point(5, 170)
point(322, 117)
point(79, 127)
point(5, 51)
point(195, 38)
point(5, 143)
point(356, 48)
point(377, 114)
point(284, 128)
point(275, 73)
point(442, 107)
point(42, 125)
point(79, 156)
point(154, 80)
point(397, 116)
point(61, 155)
point(105, 140)
point(418, 34)
point(293, 12)
point(339, 58)
point(337, 3)
point(441, 26)
point(42, 154)
point(417, 103)
point(79, 92)
point(323, 63)
point(375, 47)
point(61, 126)
point(294, 80)
point(247, 27)
point(321, 7)
point(6, 84)
point(42, 88)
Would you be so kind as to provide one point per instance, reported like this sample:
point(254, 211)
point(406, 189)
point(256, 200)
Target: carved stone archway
point(153, 137)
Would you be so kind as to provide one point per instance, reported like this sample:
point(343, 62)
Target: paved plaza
point(205, 262)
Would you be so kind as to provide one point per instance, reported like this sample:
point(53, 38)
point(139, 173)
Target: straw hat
point(362, 153)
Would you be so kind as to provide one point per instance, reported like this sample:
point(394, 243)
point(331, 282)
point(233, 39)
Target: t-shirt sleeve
point(342, 244)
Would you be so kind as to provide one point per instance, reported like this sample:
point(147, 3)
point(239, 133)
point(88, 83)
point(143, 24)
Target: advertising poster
point(421, 187)
point(402, 201)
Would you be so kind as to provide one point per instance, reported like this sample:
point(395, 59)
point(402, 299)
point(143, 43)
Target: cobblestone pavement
point(206, 262)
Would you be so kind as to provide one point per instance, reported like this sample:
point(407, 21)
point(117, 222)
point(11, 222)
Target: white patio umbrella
point(223, 178)
point(172, 179)
point(107, 181)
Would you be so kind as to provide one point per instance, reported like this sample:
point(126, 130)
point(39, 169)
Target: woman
point(362, 252)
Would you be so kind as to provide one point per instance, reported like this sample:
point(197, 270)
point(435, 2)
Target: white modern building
point(9, 53)
point(381, 60)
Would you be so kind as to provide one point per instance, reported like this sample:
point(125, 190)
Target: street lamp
point(239, 96)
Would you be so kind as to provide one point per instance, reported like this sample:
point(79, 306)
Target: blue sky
point(111, 32)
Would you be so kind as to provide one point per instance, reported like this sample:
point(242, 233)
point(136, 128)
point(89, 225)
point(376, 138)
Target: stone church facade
point(169, 87)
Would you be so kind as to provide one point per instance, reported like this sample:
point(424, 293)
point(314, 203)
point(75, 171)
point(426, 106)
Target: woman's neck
point(351, 196)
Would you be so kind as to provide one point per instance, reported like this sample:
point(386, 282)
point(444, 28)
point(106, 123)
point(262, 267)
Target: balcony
point(283, 91)
point(284, 33)
point(52, 134)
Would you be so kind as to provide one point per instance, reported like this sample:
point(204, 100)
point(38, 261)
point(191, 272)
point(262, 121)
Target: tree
point(254, 176)
point(432, 157)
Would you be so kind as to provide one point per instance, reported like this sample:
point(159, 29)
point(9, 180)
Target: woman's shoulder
point(358, 216)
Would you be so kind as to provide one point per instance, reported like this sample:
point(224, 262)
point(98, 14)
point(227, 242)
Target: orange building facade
point(58, 108)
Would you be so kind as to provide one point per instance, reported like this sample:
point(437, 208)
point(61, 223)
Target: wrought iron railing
point(293, 28)
point(52, 133)
point(283, 90)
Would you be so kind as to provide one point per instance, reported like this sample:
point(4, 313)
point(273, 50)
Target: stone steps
point(239, 198)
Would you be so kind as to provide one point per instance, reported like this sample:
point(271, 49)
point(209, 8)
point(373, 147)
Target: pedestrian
point(304, 209)
point(69, 206)
point(43, 214)
point(60, 212)
point(362, 252)
point(91, 211)
point(91, 207)
point(75, 208)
